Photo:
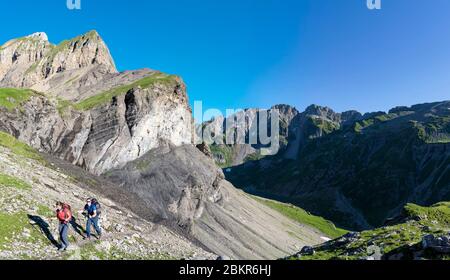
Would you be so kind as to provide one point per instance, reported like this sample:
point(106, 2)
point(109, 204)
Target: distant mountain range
point(356, 170)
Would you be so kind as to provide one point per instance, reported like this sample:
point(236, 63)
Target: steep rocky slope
point(114, 131)
point(183, 187)
point(30, 185)
point(366, 171)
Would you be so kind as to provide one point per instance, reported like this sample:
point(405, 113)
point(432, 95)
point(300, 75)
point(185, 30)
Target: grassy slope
point(11, 98)
point(13, 182)
point(13, 225)
point(226, 152)
point(18, 147)
point(303, 217)
point(16, 227)
point(106, 96)
point(420, 221)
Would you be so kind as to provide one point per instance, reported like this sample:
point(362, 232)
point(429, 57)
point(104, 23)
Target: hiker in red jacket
point(64, 215)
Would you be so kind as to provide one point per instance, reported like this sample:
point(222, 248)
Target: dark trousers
point(63, 230)
point(93, 222)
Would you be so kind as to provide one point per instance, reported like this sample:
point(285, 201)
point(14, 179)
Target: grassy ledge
point(13, 182)
point(299, 215)
point(106, 96)
point(19, 148)
point(11, 98)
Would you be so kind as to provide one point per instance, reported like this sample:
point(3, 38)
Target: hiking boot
point(62, 249)
point(99, 236)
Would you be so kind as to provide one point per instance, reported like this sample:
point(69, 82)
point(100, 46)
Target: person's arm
point(94, 212)
point(84, 211)
point(68, 217)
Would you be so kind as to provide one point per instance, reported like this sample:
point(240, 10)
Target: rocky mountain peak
point(322, 112)
point(80, 52)
point(38, 36)
point(286, 110)
point(350, 116)
point(33, 62)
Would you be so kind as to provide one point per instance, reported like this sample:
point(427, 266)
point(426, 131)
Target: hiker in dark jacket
point(92, 214)
point(64, 215)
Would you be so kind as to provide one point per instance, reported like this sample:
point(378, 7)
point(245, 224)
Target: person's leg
point(65, 239)
point(88, 228)
point(96, 226)
point(61, 238)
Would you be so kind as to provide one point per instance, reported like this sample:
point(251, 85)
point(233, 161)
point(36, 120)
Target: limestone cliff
point(89, 115)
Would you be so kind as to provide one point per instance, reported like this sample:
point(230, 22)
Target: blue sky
point(256, 53)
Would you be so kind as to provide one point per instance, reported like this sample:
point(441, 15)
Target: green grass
point(419, 221)
point(438, 213)
point(11, 224)
point(45, 211)
point(62, 106)
point(299, 215)
point(91, 250)
point(436, 130)
point(11, 98)
point(326, 126)
point(254, 157)
point(19, 148)
point(106, 96)
point(224, 150)
point(13, 182)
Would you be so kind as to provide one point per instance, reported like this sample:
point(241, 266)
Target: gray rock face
point(106, 136)
point(440, 244)
point(307, 251)
point(295, 128)
point(183, 188)
point(129, 113)
point(33, 62)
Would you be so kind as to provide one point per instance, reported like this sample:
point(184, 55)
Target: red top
point(63, 215)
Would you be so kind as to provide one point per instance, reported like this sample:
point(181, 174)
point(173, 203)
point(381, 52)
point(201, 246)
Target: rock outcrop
point(181, 187)
point(110, 134)
point(295, 129)
point(33, 62)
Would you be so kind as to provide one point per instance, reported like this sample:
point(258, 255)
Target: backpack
point(66, 206)
point(67, 210)
point(95, 202)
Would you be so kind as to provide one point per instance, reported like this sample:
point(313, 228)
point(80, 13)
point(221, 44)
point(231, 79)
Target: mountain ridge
point(418, 136)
